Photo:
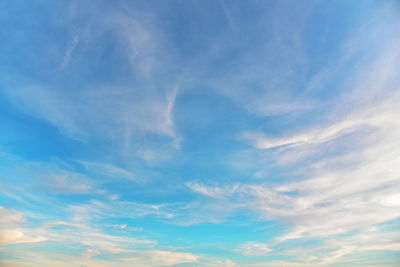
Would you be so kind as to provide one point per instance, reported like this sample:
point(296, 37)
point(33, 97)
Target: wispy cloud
point(72, 43)
point(254, 249)
point(200, 133)
point(120, 112)
point(108, 170)
point(162, 258)
point(343, 192)
point(228, 15)
point(126, 249)
point(49, 177)
point(11, 231)
point(371, 117)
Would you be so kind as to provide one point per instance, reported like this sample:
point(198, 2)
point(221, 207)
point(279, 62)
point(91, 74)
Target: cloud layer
point(199, 133)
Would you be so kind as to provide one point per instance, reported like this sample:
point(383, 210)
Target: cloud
point(138, 258)
point(108, 170)
point(73, 42)
point(391, 200)
point(371, 98)
point(11, 231)
point(348, 182)
point(10, 217)
point(13, 236)
point(94, 210)
point(121, 249)
point(62, 183)
point(348, 248)
point(90, 253)
point(313, 137)
point(351, 188)
point(98, 113)
point(254, 249)
point(263, 80)
point(55, 176)
point(62, 223)
point(348, 174)
point(226, 263)
point(214, 192)
point(323, 132)
point(162, 258)
point(283, 73)
point(228, 15)
point(67, 233)
point(119, 109)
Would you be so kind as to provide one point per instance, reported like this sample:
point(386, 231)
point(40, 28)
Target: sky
point(199, 133)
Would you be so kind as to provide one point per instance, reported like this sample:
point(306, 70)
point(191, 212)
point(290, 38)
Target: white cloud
point(374, 116)
point(263, 79)
point(120, 112)
point(118, 249)
point(63, 183)
point(108, 170)
point(52, 177)
point(391, 200)
point(340, 250)
point(254, 249)
point(162, 258)
point(17, 236)
point(10, 217)
point(225, 263)
point(11, 231)
point(354, 186)
point(66, 234)
point(348, 177)
point(372, 239)
point(214, 192)
point(72, 43)
point(139, 258)
point(94, 209)
point(316, 136)
point(90, 253)
point(99, 113)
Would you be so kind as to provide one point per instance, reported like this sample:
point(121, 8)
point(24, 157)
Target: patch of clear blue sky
point(228, 58)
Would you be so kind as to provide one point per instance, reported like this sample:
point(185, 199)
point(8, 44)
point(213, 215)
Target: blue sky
point(199, 133)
